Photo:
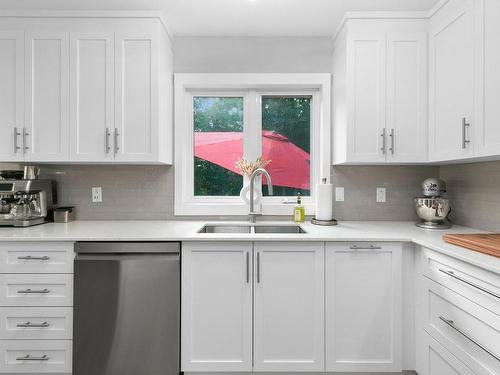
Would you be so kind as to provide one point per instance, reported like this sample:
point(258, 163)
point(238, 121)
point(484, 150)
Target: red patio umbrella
point(289, 166)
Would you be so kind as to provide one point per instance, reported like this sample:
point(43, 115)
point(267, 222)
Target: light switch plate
point(96, 194)
point(381, 195)
point(339, 194)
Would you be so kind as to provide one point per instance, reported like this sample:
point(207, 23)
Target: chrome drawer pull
point(33, 325)
point(29, 257)
point(452, 274)
point(451, 323)
point(28, 357)
point(371, 247)
point(31, 291)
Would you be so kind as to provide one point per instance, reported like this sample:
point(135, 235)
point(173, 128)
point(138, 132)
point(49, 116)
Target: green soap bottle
point(299, 212)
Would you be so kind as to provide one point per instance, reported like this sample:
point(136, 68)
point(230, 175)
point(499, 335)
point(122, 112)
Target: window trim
point(249, 86)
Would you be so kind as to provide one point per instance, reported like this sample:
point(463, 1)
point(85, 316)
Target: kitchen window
point(221, 118)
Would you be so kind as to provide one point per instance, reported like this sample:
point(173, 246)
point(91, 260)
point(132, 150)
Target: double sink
point(253, 228)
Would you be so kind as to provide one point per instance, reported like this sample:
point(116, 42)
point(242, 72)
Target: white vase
point(245, 193)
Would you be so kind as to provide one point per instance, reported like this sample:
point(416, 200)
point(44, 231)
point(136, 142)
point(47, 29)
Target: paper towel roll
point(324, 201)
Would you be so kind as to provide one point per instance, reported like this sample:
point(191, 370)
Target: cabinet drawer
point(26, 257)
point(474, 283)
point(439, 361)
point(36, 290)
point(34, 323)
point(467, 330)
point(35, 356)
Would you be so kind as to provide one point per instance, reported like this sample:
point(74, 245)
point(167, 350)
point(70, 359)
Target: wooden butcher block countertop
point(483, 243)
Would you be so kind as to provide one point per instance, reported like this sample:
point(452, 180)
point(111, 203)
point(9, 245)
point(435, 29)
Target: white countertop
point(183, 230)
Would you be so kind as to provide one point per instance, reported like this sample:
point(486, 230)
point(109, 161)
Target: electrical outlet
point(381, 195)
point(96, 194)
point(339, 194)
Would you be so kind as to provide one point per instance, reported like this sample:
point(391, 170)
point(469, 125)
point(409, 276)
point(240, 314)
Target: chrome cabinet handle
point(248, 267)
point(25, 135)
point(28, 357)
point(29, 257)
point(383, 141)
point(16, 135)
point(452, 324)
point(452, 274)
point(371, 247)
point(116, 135)
point(33, 325)
point(465, 125)
point(107, 147)
point(34, 291)
point(392, 141)
point(258, 267)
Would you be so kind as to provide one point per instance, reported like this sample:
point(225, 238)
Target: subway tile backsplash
point(147, 192)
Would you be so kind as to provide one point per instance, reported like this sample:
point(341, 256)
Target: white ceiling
point(237, 17)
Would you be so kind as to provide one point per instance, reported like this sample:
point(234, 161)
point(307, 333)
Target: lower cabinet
point(289, 306)
point(440, 361)
point(252, 307)
point(216, 304)
point(36, 313)
point(363, 307)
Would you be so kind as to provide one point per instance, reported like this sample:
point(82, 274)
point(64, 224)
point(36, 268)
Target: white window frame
point(249, 86)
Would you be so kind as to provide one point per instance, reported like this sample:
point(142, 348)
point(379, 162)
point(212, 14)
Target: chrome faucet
point(259, 171)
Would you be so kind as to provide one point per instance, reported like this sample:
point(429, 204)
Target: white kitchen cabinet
point(440, 361)
point(363, 307)
point(11, 94)
point(73, 94)
point(451, 91)
point(136, 97)
point(406, 108)
point(289, 306)
point(380, 93)
point(366, 82)
point(486, 129)
point(46, 131)
point(92, 96)
point(216, 306)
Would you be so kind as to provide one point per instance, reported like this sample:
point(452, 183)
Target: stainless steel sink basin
point(253, 228)
point(226, 229)
point(278, 229)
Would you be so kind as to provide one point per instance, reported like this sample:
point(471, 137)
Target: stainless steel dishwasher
point(126, 308)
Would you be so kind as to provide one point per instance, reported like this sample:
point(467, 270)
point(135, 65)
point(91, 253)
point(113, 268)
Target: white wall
point(253, 55)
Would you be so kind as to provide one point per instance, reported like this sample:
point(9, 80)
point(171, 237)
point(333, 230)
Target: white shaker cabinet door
point(136, 98)
point(406, 127)
point(366, 98)
point(216, 307)
point(451, 94)
point(487, 130)
point(92, 96)
point(11, 94)
point(47, 93)
point(363, 307)
point(289, 306)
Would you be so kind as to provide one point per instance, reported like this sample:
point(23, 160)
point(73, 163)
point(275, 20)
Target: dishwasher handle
point(109, 248)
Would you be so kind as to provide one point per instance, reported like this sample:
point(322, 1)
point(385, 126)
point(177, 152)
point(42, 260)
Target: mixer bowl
point(432, 209)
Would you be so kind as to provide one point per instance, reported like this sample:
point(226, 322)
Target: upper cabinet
point(451, 93)
point(379, 92)
point(11, 94)
point(487, 130)
point(74, 94)
point(465, 81)
point(45, 135)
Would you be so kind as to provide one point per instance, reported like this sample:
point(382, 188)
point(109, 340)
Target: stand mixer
point(432, 208)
